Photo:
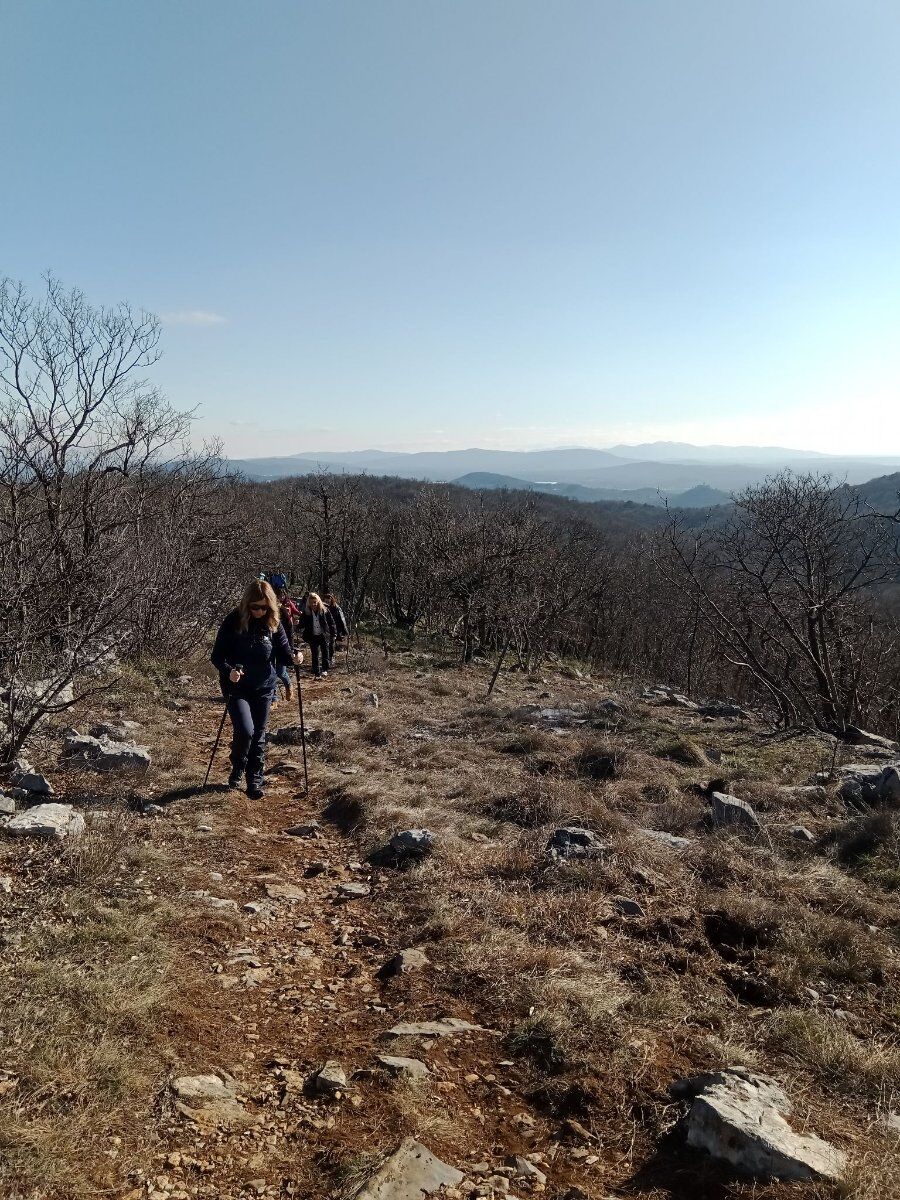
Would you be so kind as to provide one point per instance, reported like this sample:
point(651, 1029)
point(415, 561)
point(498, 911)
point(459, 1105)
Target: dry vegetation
point(747, 948)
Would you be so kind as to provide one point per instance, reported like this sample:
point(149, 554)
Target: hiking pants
point(249, 714)
point(321, 660)
point(284, 676)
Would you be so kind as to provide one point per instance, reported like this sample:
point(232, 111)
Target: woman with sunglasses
point(250, 645)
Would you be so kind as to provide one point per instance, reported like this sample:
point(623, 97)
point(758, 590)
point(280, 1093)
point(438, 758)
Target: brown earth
point(117, 978)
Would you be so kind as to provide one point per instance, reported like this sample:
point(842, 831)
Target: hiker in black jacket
point(249, 646)
point(318, 629)
point(341, 629)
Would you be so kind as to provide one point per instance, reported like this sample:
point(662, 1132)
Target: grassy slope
point(109, 977)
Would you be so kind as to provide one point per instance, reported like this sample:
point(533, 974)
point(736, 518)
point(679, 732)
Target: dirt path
point(301, 983)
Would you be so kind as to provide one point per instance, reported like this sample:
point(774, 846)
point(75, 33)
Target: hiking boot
point(289, 693)
point(254, 792)
point(235, 777)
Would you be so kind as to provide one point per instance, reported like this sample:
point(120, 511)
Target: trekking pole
point(237, 667)
point(302, 732)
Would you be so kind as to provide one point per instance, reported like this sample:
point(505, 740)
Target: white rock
point(47, 821)
point(331, 1078)
point(739, 1117)
point(404, 1068)
point(729, 810)
point(444, 1027)
point(667, 839)
point(32, 781)
point(412, 1173)
point(103, 754)
point(572, 841)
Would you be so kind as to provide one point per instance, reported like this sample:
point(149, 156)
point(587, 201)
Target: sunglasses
point(257, 607)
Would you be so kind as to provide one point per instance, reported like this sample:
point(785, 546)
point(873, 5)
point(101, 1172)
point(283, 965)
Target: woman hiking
point(317, 624)
point(341, 629)
point(290, 615)
point(250, 645)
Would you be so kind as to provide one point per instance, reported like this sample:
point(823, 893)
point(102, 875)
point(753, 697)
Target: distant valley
point(651, 473)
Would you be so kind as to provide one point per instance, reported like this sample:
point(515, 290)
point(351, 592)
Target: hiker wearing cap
point(318, 625)
point(341, 629)
point(290, 615)
point(250, 646)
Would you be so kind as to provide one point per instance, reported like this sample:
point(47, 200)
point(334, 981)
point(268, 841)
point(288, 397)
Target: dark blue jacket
point(257, 650)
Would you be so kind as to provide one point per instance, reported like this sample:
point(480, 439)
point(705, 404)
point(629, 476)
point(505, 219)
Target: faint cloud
point(192, 316)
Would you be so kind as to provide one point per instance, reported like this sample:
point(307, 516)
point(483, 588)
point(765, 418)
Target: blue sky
point(419, 224)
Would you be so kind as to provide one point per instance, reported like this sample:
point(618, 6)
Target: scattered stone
point(870, 783)
point(32, 781)
point(6, 884)
point(862, 737)
point(573, 1130)
point(444, 1027)
point(354, 891)
point(292, 735)
point(412, 843)
point(214, 901)
point(892, 1121)
point(404, 962)
point(739, 1117)
point(371, 701)
point(572, 841)
point(209, 1100)
point(404, 1068)
point(667, 839)
point(115, 733)
point(525, 1169)
point(204, 828)
point(312, 830)
point(729, 810)
point(801, 833)
point(284, 891)
point(628, 908)
point(331, 1079)
point(7, 806)
point(411, 1173)
point(56, 821)
point(152, 810)
point(814, 793)
point(103, 754)
point(732, 712)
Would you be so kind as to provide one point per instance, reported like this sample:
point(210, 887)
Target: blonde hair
point(257, 592)
point(314, 601)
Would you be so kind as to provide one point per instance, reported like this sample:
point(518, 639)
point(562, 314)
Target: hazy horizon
point(490, 224)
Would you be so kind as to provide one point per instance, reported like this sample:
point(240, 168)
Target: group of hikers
point(257, 646)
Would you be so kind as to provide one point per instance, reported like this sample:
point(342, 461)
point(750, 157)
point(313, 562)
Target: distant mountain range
point(649, 473)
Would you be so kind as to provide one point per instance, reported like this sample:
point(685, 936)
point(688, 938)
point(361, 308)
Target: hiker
point(290, 615)
point(341, 629)
point(317, 624)
point(250, 645)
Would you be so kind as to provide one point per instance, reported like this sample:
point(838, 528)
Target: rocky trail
point(336, 1025)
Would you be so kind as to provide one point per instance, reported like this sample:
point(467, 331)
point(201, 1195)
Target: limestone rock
point(627, 907)
point(444, 1027)
point(801, 833)
point(312, 830)
point(55, 821)
point(739, 1117)
point(404, 1068)
point(862, 737)
point(330, 1079)
point(103, 754)
point(412, 843)
point(404, 962)
point(32, 781)
point(572, 841)
point(729, 810)
point(412, 1173)
point(7, 806)
point(870, 783)
point(292, 735)
point(353, 890)
point(732, 712)
point(667, 839)
point(209, 1100)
